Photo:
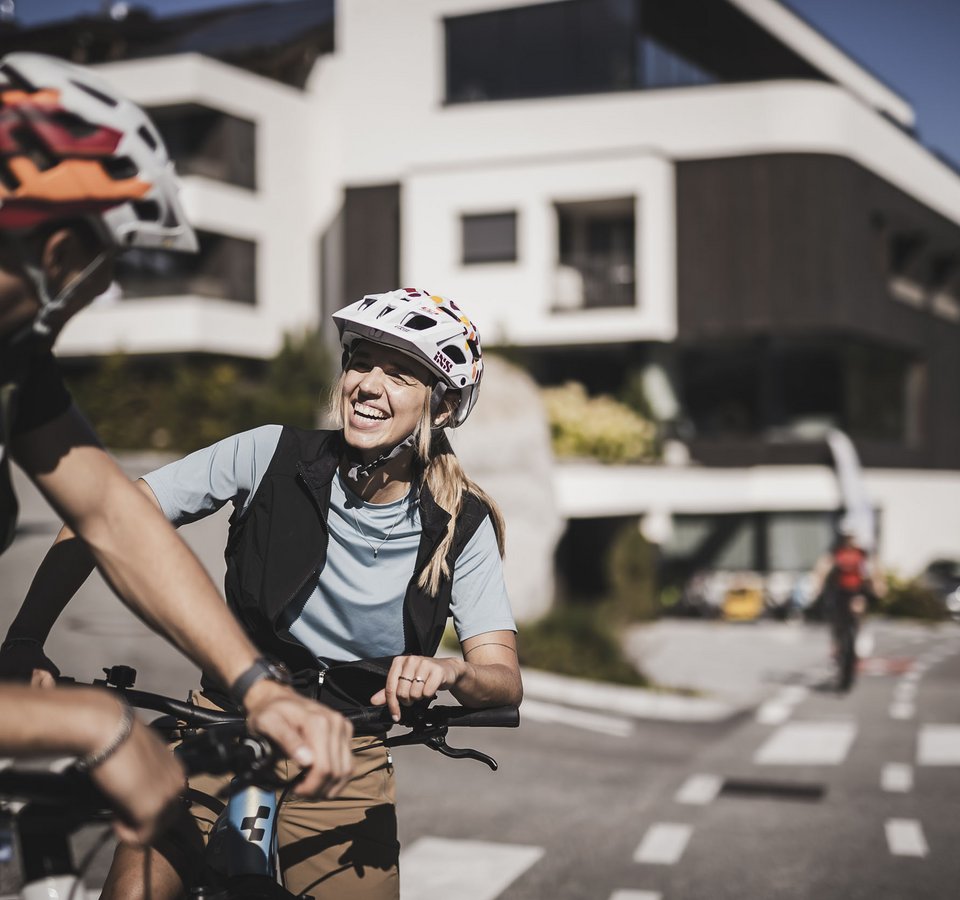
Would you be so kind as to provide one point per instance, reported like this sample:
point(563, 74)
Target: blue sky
point(912, 45)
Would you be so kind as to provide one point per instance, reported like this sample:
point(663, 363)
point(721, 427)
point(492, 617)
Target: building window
point(207, 142)
point(594, 46)
point(225, 268)
point(550, 49)
point(597, 259)
point(660, 66)
point(490, 237)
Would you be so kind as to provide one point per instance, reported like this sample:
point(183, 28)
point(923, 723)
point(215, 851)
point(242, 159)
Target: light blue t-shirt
point(354, 608)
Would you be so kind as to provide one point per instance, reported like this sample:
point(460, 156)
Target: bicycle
point(847, 612)
point(243, 844)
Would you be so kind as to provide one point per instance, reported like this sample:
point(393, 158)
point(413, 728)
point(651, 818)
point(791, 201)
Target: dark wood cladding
point(797, 246)
point(371, 221)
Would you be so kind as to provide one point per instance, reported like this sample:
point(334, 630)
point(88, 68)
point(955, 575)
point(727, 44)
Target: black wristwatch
point(260, 668)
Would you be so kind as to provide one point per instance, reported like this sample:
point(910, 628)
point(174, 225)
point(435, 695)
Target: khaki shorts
point(345, 848)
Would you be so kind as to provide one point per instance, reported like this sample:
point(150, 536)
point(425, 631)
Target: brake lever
point(435, 737)
point(439, 743)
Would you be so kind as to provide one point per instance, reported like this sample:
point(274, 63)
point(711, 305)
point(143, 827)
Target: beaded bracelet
point(92, 760)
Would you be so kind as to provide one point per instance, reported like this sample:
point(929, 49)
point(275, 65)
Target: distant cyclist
point(847, 583)
point(83, 176)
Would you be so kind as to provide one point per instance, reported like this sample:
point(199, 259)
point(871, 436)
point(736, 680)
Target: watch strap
point(259, 669)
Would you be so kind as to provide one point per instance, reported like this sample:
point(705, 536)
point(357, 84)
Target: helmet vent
point(120, 167)
point(77, 127)
point(93, 92)
point(16, 80)
point(31, 145)
point(419, 323)
point(148, 138)
point(455, 353)
point(147, 210)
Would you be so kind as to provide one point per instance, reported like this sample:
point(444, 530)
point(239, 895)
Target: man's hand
point(312, 735)
point(142, 778)
point(414, 678)
point(26, 662)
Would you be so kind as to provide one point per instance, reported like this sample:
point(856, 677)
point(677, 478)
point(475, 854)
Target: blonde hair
point(449, 485)
point(441, 472)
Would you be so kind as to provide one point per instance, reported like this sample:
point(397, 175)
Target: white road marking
point(636, 895)
point(905, 690)
point(905, 837)
point(807, 743)
point(663, 844)
point(538, 711)
point(865, 644)
point(938, 745)
point(434, 868)
point(699, 790)
point(897, 778)
point(778, 709)
point(774, 713)
point(901, 709)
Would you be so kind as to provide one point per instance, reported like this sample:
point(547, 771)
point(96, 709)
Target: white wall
point(278, 215)
point(920, 510)
point(513, 300)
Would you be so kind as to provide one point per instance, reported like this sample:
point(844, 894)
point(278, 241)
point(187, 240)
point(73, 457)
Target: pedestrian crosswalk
point(434, 868)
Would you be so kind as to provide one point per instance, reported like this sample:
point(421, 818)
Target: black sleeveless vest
point(280, 543)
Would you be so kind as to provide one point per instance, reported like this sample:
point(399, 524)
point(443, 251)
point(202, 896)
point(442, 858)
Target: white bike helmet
point(431, 329)
point(71, 148)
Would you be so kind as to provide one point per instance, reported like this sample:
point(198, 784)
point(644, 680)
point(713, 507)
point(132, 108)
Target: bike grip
point(464, 717)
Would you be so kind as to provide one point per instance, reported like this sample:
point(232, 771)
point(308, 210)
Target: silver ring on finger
point(404, 678)
point(421, 680)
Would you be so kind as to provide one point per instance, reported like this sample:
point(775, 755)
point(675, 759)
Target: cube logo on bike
point(244, 838)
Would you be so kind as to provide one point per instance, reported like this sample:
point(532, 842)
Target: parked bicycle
point(241, 855)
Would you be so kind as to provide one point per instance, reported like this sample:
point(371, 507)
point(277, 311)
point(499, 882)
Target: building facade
point(707, 189)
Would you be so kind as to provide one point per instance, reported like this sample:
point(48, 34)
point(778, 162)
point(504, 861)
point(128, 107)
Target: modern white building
point(709, 190)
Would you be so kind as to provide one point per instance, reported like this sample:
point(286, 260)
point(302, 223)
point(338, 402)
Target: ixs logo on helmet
point(444, 362)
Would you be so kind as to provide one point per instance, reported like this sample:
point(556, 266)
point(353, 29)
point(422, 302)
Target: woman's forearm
point(488, 685)
point(62, 572)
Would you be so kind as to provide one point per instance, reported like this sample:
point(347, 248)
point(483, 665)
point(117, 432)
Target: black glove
point(20, 656)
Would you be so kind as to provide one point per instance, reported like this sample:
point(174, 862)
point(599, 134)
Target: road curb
point(618, 699)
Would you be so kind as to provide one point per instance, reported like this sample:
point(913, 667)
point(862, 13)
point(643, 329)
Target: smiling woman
point(348, 550)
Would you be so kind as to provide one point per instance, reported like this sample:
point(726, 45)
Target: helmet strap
point(50, 305)
point(359, 472)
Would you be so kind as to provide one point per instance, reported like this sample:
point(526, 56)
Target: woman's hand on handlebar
point(415, 678)
point(312, 735)
point(25, 661)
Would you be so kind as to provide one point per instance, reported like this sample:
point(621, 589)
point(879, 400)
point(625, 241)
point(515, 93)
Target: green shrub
point(577, 641)
point(182, 404)
point(911, 600)
point(598, 427)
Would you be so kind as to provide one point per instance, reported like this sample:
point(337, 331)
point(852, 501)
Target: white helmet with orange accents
point(431, 329)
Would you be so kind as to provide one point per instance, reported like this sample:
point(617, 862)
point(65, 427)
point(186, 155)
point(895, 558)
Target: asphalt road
point(797, 793)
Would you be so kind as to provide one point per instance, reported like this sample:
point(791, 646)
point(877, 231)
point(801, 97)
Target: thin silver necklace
point(376, 550)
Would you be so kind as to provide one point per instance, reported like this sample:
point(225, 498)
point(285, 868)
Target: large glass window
point(225, 268)
point(573, 47)
point(204, 141)
point(597, 259)
point(798, 389)
point(491, 237)
point(594, 46)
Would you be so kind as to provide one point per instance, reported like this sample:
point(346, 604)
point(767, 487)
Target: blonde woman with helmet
point(348, 550)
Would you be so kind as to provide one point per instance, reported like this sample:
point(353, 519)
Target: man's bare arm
point(158, 577)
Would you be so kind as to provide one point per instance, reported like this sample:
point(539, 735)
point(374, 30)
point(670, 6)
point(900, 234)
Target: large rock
point(505, 447)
